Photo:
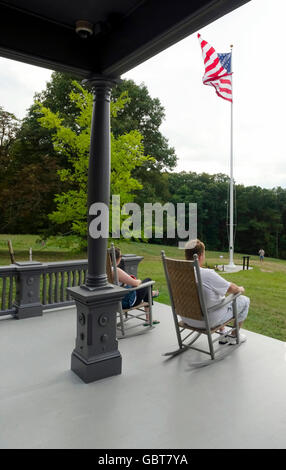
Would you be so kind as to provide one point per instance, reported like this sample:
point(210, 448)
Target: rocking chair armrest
point(145, 284)
point(230, 298)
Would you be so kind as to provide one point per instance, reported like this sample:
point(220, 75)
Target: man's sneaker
point(223, 339)
point(232, 339)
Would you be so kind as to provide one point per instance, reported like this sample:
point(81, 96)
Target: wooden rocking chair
point(187, 300)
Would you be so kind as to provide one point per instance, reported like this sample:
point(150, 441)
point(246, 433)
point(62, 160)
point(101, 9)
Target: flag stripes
point(217, 70)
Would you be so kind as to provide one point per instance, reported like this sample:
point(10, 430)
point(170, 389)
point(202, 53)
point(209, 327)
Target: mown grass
point(50, 251)
point(264, 284)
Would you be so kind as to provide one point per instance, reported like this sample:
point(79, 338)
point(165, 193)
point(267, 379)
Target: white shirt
point(214, 288)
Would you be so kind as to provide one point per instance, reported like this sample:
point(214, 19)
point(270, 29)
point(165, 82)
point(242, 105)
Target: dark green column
point(96, 354)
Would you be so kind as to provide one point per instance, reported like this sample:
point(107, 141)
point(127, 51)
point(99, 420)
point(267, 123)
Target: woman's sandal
point(154, 322)
point(155, 293)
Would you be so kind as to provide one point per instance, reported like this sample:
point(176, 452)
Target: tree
point(209, 192)
point(27, 191)
point(141, 113)
point(259, 220)
point(145, 114)
point(72, 142)
point(34, 146)
point(28, 176)
point(27, 197)
point(35, 141)
point(9, 126)
point(260, 213)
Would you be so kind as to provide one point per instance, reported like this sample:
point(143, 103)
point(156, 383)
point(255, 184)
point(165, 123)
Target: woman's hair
point(194, 247)
point(117, 253)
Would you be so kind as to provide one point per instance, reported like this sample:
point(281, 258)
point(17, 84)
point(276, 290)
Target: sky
point(197, 121)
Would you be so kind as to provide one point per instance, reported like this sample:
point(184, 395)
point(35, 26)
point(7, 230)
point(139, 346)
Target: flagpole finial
point(231, 46)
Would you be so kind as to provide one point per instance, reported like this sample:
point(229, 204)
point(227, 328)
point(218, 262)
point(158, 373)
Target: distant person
point(215, 288)
point(261, 254)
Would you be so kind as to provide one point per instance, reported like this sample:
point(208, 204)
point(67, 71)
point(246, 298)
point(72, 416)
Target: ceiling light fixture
point(84, 28)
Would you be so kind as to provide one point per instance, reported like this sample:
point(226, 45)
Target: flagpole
point(231, 205)
point(213, 69)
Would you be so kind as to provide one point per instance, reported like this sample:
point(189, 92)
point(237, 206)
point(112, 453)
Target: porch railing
point(7, 289)
point(56, 277)
point(26, 289)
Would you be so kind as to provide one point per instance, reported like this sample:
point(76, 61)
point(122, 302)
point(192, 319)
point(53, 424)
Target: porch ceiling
point(126, 32)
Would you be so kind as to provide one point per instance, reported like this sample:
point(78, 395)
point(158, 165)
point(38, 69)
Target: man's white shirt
point(214, 288)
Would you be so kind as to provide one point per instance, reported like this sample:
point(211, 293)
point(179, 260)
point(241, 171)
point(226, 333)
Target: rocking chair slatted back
point(183, 288)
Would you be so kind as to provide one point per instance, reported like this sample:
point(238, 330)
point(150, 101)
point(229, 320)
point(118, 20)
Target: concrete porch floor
point(238, 402)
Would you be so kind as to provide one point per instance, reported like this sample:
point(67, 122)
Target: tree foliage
point(35, 162)
point(260, 214)
point(72, 142)
point(146, 114)
point(9, 126)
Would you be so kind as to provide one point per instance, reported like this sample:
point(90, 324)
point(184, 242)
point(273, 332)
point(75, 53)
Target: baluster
point(57, 288)
point(44, 294)
point(11, 285)
point(69, 285)
point(4, 293)
point(50, 288)
point(62, 285)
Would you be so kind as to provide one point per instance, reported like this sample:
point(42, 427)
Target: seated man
point(215, 288)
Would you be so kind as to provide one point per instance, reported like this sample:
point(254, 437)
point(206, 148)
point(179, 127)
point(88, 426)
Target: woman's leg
point(142, 294)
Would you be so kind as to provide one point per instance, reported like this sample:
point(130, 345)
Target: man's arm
point(234, 289)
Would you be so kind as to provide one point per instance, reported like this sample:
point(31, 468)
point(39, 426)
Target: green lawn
point(51, 251)
point(264, 284)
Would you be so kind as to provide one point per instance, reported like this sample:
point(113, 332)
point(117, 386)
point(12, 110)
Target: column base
point(96, 354)
point(100, 368)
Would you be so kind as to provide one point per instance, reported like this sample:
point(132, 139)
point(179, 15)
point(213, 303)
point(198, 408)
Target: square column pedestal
point(28, 303)
point(96, 354)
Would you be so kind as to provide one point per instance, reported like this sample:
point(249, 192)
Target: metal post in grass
point(11, 252)
point(96, 354)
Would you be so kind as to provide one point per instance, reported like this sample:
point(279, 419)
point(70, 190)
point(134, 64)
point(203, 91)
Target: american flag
point(217, 70)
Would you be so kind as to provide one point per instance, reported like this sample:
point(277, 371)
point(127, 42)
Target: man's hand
point(234, 289)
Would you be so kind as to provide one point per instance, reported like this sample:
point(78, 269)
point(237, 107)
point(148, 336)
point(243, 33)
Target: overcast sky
point(198, 121)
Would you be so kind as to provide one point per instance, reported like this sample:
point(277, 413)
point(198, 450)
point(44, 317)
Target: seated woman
point(133, 298)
